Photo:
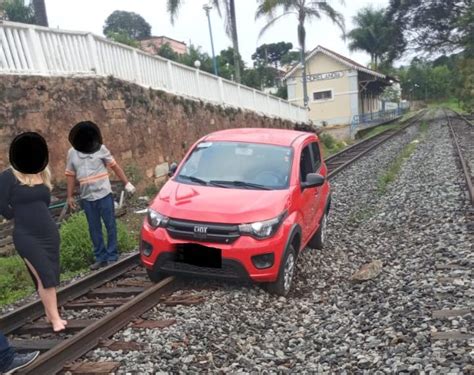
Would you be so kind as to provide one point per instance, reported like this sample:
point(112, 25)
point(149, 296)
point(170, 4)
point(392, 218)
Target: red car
point(241, 205)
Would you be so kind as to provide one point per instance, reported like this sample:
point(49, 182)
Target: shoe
point(21, 360)
point(98, 265)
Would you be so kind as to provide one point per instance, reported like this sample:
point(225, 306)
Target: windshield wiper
point(239, 183)
point(194, 179)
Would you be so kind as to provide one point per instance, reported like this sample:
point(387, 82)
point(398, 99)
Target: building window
point(322, 95)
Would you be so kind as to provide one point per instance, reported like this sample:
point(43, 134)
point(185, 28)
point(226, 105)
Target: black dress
point(35, 234)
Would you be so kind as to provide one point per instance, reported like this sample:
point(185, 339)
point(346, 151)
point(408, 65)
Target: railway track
point(338, 162)
point(117, 295)
point(454, 273)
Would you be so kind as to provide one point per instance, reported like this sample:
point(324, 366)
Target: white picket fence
point(35, 50)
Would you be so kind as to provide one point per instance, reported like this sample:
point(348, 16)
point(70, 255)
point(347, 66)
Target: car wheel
point(318, 239)
point(282, 285)
point(154, 276)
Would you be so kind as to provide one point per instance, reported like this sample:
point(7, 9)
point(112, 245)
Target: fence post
point(138, 72)
point(170, 76)
point(38, 55)
point(279, 107)
point(254, 100)
point(221, 89)
point(95, 56)
point(198, 86)
point(239, 97)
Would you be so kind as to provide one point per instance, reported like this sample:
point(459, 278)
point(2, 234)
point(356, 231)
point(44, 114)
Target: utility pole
point(207, 8)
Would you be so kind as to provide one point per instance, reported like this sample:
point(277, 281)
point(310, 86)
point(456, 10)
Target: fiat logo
point(200, 230)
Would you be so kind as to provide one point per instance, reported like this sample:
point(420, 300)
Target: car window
point(316, 156)
point(306, 164)
point(250, 163)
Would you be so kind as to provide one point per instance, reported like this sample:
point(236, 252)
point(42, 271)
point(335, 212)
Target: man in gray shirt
point(87, 162)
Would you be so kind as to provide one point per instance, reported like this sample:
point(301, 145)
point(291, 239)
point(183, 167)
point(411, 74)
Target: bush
point(328, 140)
point(15, 280)
point(76, 246)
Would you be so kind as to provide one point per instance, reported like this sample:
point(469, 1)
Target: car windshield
point(238, 165)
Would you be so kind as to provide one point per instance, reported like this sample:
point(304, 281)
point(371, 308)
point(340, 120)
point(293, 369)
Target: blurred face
point(29, 153)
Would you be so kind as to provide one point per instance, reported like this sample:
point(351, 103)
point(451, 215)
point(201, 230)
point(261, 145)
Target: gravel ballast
point(329, 323)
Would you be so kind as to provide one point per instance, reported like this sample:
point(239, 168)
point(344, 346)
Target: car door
point(307, 202)
point(318, 201)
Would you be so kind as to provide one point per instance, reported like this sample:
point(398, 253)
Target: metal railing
point(35, 50)
point(367, 120)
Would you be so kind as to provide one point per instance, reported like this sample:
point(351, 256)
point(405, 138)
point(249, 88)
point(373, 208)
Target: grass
point(451, 103)
point(331, 145)
point(394, 168)
point(76, 255)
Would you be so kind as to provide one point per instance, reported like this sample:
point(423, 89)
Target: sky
point(191, 24)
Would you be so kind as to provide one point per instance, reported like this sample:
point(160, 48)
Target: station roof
point(342, 59)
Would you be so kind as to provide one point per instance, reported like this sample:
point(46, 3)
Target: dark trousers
point(95, 211)
point(6, 353)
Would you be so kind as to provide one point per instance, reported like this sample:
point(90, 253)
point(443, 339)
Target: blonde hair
point(26, 179)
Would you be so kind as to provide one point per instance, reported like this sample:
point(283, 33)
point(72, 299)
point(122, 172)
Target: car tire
point(318, 239)
point(154, 276)
point(283, 283)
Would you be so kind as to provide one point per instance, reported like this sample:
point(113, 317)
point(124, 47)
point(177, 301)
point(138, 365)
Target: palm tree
point(41, 16)
point(304, 10)
point(230, 25)
point(371, 34)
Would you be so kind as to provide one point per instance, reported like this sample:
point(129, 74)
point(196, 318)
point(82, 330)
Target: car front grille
point(199, 231)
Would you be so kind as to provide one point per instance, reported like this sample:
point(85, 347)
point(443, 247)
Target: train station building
point(340, 90)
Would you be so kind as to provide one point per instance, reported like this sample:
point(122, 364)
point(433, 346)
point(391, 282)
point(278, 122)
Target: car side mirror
point(172, 169)
point(313, 180)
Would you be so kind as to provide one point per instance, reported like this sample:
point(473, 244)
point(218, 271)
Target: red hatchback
point(241, 205)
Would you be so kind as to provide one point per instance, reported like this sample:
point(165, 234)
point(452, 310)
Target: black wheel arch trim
point(295, 230)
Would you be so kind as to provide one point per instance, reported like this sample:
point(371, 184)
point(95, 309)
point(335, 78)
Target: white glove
point(130, 188)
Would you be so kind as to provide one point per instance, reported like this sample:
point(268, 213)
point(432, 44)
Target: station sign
point(324, 76)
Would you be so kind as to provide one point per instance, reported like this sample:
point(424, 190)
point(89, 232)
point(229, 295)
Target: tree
point(123, 38)
point(291, 58)
point(130, 24)
point(167, 52)
point(41, 16)
point(230, 25)
point(434, 26)
point(271, 53)
point(17, 11)
point(373, 34)
point(304, 10)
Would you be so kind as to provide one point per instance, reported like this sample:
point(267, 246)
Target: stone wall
point(142, 127)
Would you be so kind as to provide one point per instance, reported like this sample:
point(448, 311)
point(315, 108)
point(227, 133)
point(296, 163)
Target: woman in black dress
point(25, 194)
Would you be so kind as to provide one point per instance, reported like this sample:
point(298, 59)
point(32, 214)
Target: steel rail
point(467, 173)
point(34, 310)
point(55, 359)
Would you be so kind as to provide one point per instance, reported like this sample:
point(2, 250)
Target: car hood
point(219, 205)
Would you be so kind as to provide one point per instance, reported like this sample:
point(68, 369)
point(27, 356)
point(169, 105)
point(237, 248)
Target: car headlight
point(262, 229)
point(155, 219)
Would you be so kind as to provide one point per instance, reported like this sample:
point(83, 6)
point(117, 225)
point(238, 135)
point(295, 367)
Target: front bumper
point(236, 257)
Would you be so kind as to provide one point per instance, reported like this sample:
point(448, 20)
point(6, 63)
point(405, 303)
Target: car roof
point(279, 137)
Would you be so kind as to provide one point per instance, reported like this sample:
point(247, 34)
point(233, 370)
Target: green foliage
point(394, 169)
point(18, 11)
point(376, 35)
point(133, 173)
point(76, 246)
point(15, 280)
point(434, 26)
point(271, 54)
point(130, 24)
point(282, 92)
point(330, 144)
point(167, 52)
point(121, 37)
